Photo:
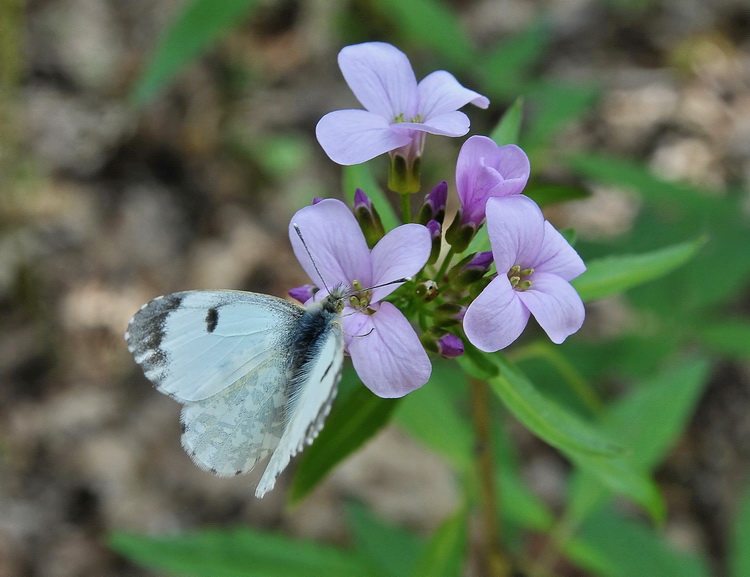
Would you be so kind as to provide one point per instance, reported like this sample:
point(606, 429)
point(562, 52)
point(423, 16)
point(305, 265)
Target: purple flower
point(534, 266)
point(398, 111)
point(385, 350)
point(485, 170)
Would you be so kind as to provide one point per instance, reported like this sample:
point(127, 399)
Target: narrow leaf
point(444, 553)
point(238, 553)
point(430, 416)
point(545, 418)
point(430, 23)
point(508, 129)
point(629, 548)
point(608, 276)
point(545, 194)
point(728, 337)
point(739, 555)
point(356, 417)
point(648, 421)
point(392, 551)
point(199, 24)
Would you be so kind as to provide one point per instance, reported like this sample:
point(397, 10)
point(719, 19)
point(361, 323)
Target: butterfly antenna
point(400, 280)
point(312, 260)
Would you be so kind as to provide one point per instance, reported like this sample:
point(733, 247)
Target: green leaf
point(508, 129)
point(739, 554)
point(728, 337)
point(553, 105)
point(625, 548)
point(430, 23)
point(506, 68)
point(476, 363)
point(620, 476)
point(199, 24)
point(429, 415)
point(238, 553)
point(545, 418)
point(545, 194)
point(444, 553)
point(648, 422)
point(360, 176)
point(611, 275)
point(391, 550)
point(355, 418)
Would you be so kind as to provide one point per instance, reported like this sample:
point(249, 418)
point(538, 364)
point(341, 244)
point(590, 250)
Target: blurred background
point(121, 181)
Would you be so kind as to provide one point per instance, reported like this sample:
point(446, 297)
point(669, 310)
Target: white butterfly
point(256, 374)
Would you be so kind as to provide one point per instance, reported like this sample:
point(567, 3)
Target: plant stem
point(406, 208)
point(444, 267)
point(495, 563)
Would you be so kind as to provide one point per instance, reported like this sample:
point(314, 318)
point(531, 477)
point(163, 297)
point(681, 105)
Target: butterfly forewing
point(194, 344)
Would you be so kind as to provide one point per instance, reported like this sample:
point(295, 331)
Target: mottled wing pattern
point(194, 344)
point(231, 431)
point(226, 356)
point(309, 404)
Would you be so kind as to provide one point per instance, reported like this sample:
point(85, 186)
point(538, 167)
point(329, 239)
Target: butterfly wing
point(311, 393)
point(194, 344)
point(226, 356)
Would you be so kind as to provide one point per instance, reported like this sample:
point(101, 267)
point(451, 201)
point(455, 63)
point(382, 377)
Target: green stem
point(495, 563)
point(446, 263)
point(405, 208)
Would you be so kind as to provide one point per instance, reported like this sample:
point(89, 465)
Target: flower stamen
point(518, 277)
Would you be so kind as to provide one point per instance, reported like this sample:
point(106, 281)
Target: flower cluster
point(487, 297)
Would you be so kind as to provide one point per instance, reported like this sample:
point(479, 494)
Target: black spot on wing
point(328, 368)
point(212, 319)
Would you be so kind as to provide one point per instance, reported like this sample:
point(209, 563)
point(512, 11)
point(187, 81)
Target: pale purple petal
point(390, 360)
point(555, 305)
point(515, 225)
point(484, 170)
point(449, 124)
point(400, 253)
point(476, 152)
point(440, 92)
point(557, 256)
point(381, 78)
point(336, 242)
point(496, 317)
point(356, 136)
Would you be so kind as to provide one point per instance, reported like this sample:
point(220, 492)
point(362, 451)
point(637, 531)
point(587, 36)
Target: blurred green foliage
point(677, 268)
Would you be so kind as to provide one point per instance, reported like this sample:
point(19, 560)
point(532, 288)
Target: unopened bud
point(368, 218)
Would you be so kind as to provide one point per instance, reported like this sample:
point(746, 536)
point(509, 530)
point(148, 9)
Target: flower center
point(402, 118)
point(518, 277)
point(361, 299)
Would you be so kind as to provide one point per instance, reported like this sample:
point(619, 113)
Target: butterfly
point(256, 374)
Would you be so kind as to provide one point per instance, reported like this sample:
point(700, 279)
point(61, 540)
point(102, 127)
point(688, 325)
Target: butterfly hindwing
point(194, 344)
point(231, 431)
point(309, 402)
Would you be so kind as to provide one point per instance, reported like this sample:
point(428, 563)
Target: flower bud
point(450, 346)
point(471, 269)
point(448, 314)
point(460, 234)
point(442, 343)
point(436, 233)
point(427, 290)
point(368, 218)
point(303, 293)
point(434, 205)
